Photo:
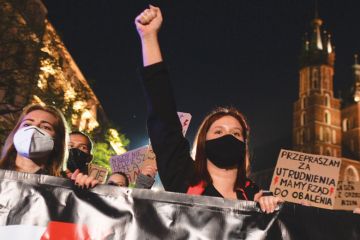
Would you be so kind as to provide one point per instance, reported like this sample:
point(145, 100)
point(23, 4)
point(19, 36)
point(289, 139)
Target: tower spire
point(316, 42)
point(329, 47)
point(356, 74)
point(318, 49)
point(316, 15)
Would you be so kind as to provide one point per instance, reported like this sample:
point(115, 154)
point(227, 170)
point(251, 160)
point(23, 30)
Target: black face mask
point(226, 151)
point(78, 160)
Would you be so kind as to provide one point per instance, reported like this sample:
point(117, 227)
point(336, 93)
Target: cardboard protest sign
point(98, 172)
point(302, 177)
point(347, 195)
point(131, 162)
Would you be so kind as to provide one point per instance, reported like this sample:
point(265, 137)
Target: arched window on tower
point(351, 174)
point(302, 102)
point(345, 125)
point(321, 133)
point(327, 117)
point(326, 79)
point(333, 136)
point(303, 119)
point(327, 136)
point(315, 78)
point(327, 100)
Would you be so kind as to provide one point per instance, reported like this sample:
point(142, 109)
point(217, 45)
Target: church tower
point(351, 117)
point(317, 115)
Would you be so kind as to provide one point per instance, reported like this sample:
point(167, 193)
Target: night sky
point(234, 52)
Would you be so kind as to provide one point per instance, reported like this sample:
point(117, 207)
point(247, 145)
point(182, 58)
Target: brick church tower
point(323, 124)
point(351, 117)
point(317, 114)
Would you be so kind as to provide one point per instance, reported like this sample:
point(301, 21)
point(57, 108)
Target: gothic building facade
point(322, 123)
point(350, 114)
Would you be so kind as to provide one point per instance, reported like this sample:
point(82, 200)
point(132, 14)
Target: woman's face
point(223, 126)
point(40, 119)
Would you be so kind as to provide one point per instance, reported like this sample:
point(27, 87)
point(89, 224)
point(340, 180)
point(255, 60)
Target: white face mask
point(33, 143)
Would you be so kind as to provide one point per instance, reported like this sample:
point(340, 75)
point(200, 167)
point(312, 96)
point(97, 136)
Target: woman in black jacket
point(221, 160)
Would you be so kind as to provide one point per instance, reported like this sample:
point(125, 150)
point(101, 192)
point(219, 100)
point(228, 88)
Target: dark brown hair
point(201, 171)
point(56, 159)
point(90, 143)
point(121, 174)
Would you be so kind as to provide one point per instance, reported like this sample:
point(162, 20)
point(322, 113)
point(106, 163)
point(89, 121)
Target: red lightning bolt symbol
point(276, 179)
point(186, 122)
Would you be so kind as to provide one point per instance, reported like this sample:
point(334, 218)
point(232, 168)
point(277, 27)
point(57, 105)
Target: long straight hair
point(201, 171)
point(53, 165)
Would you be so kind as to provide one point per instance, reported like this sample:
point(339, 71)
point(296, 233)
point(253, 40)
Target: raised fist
point(149, 21)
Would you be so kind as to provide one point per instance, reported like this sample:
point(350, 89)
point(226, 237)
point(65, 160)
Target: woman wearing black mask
point(80, 147)
point(221, 160)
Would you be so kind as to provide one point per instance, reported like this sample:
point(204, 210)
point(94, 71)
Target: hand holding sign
point(357, 210)
point(148, 170)
point(97, 172)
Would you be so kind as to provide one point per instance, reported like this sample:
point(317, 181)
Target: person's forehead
point(226, 121)
point(78, 138)
point(117, 177)
point(40, 115)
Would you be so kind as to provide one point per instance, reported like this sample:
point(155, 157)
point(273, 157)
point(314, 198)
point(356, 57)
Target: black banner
point(44, 207)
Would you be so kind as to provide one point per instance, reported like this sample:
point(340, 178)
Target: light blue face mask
point(33, 143)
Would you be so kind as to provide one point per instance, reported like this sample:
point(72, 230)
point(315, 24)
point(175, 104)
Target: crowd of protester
point(40, 142)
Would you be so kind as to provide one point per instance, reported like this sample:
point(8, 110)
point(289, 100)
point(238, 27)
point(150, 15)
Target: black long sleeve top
point(174, 163)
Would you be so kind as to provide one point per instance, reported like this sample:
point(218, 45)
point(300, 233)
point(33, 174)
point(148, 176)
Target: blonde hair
point(54, 164)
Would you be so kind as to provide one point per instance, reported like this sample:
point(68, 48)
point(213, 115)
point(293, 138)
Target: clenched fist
point(148, 22)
